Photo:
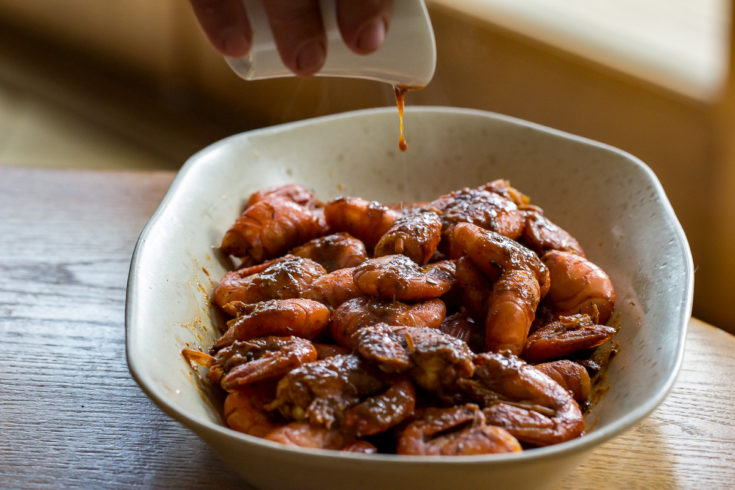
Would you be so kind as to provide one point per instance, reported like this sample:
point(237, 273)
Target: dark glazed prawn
point(398, 277)
point(571, 376)
point(283, 278)
point(454, 431)
point(492, 252)
point(250, 361)
point(344, 392)
point(463, 327)
point(579, 286)
point(363, 219)
point(301, 317)
point(415, 235)
point(362, 312)
point(433, 359)
point(381, 412)
point(541, 235)
point(334, 288)
point(473, 288)
point(511, 311)
point(503, 187)
point(325, 351)
point(336, 251)
point(270, 228)
point(291, 192)
point(523, 400)
point(488, 210)
point(565, 337)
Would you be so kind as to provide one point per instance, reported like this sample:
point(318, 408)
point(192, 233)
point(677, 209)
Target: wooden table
point(71, 415)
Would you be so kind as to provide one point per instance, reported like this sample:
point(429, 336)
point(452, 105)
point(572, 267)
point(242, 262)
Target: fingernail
point(235, 43)
point(310, 58)
point(371, 35)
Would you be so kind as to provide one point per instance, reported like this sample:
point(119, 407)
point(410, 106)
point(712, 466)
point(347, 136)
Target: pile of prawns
point(455, 327)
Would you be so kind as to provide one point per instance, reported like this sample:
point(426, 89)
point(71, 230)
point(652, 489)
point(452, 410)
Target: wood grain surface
point(72, 416)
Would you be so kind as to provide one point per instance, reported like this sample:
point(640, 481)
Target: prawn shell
point(304, 434)
point(270, 228)
point(362, 312)
point(570, 376)
point(512, 308)
point(334, 288)
point(579, 286)
point(283, 278)
point(301, 317)
point(365, 220)
point(454, 431)
point(398, 277)
point(416, 236)
point(244, 410)
point(333, 252)
point(491, 251)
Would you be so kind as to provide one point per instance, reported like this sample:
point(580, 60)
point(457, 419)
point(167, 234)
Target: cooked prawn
point(304, 434)
point(491, 251)
point(244, 410)
point(565, 337)
point(324, 351)
point(270, 228)
point(363, 219)
point(523, 400)
point(323, 392)
point(488, 210)
point(579, 286)
point(283, 278)
point(334, 288)
point(472, 288)
point(542, 235)
point(503, 187)
point(570, 375)
point(302, 317)
point(335, 251)
point(462, 326)
point(408, 207)
point(249, 361)
point(381, 412)
point(398, 277)
point(291, 192)
point(360, 446)
point(511, 311)
point(415, 235)
point(455, 431)
point(433, 359)
point(361, 312)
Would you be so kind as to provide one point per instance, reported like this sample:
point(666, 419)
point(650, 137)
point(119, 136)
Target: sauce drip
point(400, 92)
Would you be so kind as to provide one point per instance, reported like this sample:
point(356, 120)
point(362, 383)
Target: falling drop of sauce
point(400, 92)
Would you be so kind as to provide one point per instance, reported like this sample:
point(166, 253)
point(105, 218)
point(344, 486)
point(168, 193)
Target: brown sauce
point(400, 92)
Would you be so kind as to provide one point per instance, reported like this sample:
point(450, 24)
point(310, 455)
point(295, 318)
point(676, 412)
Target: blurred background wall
point(135, 85)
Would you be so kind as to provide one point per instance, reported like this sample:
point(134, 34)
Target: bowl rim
point(208, 430)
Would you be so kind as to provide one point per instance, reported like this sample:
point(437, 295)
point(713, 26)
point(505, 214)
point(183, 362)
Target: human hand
point(297, 28)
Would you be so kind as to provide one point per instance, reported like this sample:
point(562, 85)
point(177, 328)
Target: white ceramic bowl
point(608, 199)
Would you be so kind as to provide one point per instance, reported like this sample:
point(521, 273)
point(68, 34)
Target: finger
point(299, 34)
point(364, 24)
point(226, 24)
